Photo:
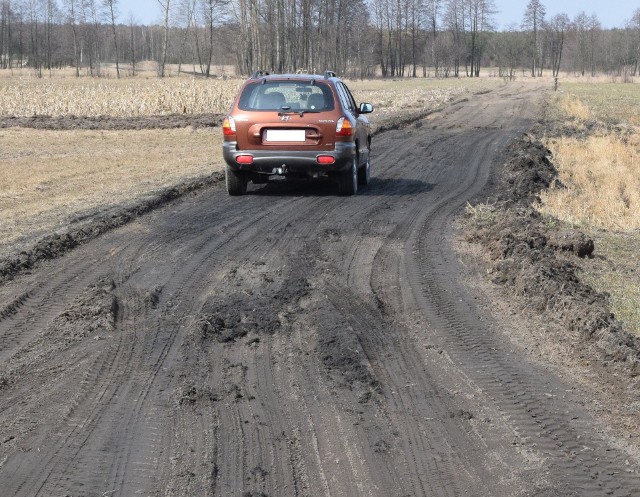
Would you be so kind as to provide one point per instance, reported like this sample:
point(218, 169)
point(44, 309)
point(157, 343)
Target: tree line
point(356, 38)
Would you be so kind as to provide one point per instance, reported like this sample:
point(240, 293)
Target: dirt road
point(294, 343)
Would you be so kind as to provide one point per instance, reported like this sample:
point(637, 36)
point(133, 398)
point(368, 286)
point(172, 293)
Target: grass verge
point(598, 158)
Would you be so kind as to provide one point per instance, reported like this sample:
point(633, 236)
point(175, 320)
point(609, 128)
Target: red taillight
point(228, 126)
point(343, 127)
point(325, 159)
point(244, 159)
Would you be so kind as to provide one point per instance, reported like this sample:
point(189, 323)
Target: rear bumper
point(279, 161)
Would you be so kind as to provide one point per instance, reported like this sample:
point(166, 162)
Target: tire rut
point(293, 343)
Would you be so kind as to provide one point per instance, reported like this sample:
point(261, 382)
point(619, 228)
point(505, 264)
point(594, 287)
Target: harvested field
point(89, 97)
point(51, 180)
point(133, 97)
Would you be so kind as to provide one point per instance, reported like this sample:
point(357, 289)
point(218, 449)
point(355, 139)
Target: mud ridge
point(57, 244)
point(109, 123)
point(539, 261)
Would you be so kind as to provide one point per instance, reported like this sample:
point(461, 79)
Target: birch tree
point(111, 7)
point(165, 7)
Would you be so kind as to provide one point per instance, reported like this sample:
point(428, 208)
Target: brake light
point(343, 127)
point(325, 159)
point(244, 159)
point(228, 126)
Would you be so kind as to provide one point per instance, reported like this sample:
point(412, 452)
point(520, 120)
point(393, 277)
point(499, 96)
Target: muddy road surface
point(294, 343)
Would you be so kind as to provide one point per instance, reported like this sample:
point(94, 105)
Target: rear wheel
point(236, 182)
point(348, 181)
point(364, 173)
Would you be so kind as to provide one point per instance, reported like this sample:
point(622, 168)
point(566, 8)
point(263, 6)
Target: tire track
point(359, 366)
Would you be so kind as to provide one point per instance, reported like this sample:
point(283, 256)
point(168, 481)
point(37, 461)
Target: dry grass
point(602, 176)
point(604, 100)
point(615, 271)
point(571, 106)
point(48, 178)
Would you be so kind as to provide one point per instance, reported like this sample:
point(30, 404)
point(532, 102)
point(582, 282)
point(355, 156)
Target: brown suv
point(296, 125)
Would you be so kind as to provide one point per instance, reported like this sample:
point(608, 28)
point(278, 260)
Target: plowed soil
point(295, 343)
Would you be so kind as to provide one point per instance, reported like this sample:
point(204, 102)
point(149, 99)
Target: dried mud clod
point(540, 261)
point(191, 395)
point(94, 311)
point(256, 312)
point(341, 352)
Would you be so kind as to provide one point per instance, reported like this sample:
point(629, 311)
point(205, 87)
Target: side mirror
point(366, 108)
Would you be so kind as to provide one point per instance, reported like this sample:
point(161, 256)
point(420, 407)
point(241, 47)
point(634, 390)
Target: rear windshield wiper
point(286, 110)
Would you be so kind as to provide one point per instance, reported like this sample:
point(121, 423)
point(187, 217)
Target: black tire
point(236, 182)
point(259, 179)
point(348, 181)
point(364, 173)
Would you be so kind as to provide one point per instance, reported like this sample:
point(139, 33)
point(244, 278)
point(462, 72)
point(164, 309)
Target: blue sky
point(612, 13)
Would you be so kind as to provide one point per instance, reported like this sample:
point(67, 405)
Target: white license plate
point(285, 135)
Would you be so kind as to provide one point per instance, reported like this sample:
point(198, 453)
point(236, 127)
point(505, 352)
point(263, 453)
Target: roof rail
point(259, 73)
point(329, 74)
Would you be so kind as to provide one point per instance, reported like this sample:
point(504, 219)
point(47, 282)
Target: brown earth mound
point(71, 122)
point(539, 261)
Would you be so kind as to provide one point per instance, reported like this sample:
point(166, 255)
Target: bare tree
point(212, 10)
point(480, 19)
point(111, 10)
point(52, 18)
point(5, 34)
point(557, 27)
point(165, 6)
point(433, 8)
point(185, 19)
point(72, 19)
point(580, 24)
point(35, 18)
point(634, 26)
point(594, 28)
point(509, 49)
point(533, 21)
point(132, 43)
point(455, 24)
point(92, 24)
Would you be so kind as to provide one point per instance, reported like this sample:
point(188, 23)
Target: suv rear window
point(304, 96)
